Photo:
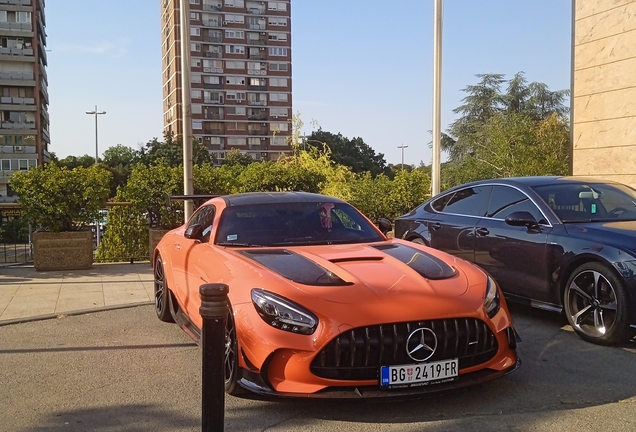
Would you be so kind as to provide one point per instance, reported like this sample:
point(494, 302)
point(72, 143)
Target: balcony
point(257, 102)
point(212, 131)
point(260, 41)
point(212, 86)
point(257, 132)
point(212, 101)
point(14, 26)
point(18, 76)
point(12, 125)
point(18, 2)
point(17, 100)
point(213, 116)
point(256, 11)
point(257, 26)
point(213, 8)
point(257, 117)
point(257, 87)
point(256, 72)
point(259, 56)
point(211, 54)
point(16, 51)
point(217, 39)
point(212, 23)
point(256, 147)
point(213, 70)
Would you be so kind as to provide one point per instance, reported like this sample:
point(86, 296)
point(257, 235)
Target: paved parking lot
point(123, 370)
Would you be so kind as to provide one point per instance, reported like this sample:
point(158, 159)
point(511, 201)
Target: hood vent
point(294, 267)
point(427, 265)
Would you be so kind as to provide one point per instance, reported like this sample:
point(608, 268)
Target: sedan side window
point(204, 216)
point(505, 200)
point(467, 201)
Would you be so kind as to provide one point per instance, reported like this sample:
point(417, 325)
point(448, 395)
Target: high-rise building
point(240, 75)
point(24, 100)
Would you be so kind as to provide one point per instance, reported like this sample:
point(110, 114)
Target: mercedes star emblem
point(421, 344)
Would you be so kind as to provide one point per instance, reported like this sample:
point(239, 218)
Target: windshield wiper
point(238, 244)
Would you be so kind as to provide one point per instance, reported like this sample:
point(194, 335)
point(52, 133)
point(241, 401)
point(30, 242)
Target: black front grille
point(357, 354)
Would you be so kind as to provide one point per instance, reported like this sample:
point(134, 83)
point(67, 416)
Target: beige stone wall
point(604, 112)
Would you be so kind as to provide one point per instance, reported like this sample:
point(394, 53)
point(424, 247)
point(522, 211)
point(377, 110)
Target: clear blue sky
point(360, 67)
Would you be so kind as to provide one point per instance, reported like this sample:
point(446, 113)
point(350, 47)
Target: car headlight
point(492, 302)
point(283, 314)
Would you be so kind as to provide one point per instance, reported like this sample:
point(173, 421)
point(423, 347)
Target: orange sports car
point(323, 304)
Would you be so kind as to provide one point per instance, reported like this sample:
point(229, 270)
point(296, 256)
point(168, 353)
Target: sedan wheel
point(162, 293)
point(596, 305)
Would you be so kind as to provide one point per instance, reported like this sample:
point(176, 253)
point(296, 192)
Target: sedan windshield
point(297, 223)
point(593, 202)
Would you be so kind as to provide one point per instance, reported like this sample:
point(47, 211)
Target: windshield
point(288, 224)
point(595, 202)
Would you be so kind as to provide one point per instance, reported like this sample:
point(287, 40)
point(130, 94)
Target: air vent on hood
point(425, 264)
point(295, 267)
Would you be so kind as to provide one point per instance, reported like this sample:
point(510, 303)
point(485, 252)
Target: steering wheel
point(615, 211)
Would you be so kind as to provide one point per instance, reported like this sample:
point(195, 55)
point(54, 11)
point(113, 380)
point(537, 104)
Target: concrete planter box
point(154, 236)
point(72, 250)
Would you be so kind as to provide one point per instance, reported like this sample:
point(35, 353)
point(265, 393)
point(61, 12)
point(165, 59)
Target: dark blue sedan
point(558, 243)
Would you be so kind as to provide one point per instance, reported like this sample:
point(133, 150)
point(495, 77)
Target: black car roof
point(531, 181)
point(250, 198)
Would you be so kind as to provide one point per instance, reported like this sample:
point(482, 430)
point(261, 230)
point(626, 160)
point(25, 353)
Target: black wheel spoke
point(582, 314)
point(576, 289)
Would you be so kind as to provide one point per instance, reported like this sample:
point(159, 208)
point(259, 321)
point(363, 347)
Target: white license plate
point(418, 374)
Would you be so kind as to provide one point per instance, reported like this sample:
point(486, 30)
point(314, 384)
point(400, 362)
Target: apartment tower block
point(24, 100)
point(240, 75)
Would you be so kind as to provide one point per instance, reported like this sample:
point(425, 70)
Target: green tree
point(60, 199)
point(71, 162)
point(353, 153)
point(497, 133)
point(170, 150)
point(236, 157)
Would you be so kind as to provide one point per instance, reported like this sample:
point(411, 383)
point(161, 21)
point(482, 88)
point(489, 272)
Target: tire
point(595, 304)
point(418, 241)
point(162, 293)
point(231, 367)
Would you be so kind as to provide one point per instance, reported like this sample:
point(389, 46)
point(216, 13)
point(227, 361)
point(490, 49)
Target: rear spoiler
point(196, 198)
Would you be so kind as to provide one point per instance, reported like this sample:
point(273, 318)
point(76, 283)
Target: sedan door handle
point(435, 226)
point(482, 232)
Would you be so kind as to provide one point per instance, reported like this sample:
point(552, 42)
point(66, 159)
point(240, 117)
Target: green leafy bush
point(60, 199)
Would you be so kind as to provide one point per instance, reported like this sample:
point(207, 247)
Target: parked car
point(322, 304)
point(557, 243)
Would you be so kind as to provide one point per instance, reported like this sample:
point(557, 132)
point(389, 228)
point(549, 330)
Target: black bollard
point(213, 310)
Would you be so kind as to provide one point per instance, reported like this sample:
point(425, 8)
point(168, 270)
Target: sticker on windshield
point(232, 237)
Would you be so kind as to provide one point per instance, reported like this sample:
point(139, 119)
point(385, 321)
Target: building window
point(233, 18)
point(257, 81)
point(235, 64)
point(278, 51)
point(279, 141)
point(197, 124)
point(235, 111)
point(278, 97)
point(279, 127)
point(278, 82)
point(277, 21)
point(235, 34)
point(278, 66)
point(239, 141)
point(277, 6)
point(234, 49)
point(211, 79)
point(195, 47)
point(235, 80)
point(234, 3)
point(196, 63)
point(277, 36)
point(235, 95)
point(196, 78)
point(194, 2)
point(278, 112)
point(196, 94)
point(194, 16)
point(195, 31)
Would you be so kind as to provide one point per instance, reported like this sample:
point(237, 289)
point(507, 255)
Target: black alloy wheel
point(162, 293)
point(231, 358)
point(595, 304)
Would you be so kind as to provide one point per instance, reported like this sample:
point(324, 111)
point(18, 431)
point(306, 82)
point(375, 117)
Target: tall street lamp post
point(96, 113)
point(402, 147)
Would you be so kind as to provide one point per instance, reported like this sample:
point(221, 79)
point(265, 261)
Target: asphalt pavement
point(102, 361)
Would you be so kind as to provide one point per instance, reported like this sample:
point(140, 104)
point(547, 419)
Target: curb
point(72, 313)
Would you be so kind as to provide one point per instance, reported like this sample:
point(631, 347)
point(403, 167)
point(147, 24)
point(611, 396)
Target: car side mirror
point(385, 225)
point(194, 232)
point(521, 218)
